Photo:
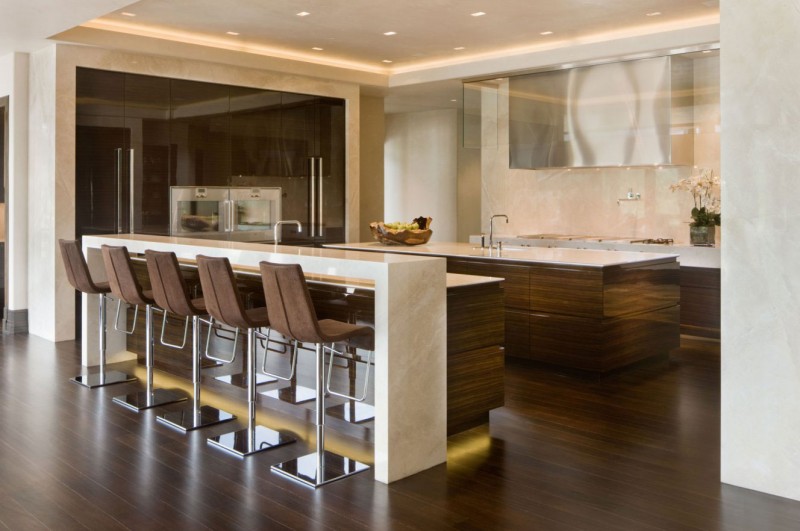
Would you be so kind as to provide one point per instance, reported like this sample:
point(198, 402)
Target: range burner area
point(655, 241)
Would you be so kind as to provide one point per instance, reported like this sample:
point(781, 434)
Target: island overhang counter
point(589, 310)
point(410, 334)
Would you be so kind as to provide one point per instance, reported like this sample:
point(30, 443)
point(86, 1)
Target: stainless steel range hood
point(617, 114)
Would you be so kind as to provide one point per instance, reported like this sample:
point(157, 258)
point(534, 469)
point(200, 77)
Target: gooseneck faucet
point(491, 228)
point(282, 222)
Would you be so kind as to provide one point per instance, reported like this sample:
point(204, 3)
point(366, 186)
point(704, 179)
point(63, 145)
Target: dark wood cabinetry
point(587, 318)
point(700, 301)
point(138, 135)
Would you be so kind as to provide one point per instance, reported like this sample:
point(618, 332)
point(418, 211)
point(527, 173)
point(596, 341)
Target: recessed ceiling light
point(458, 48)
point(317, 48)
point(232, 33)
point(390, 33)
point(706, 51)
point(453, 100)
point(478, 14)
point(128, 14)
point(653, 14)
point(303, 14)
point(546, 33)
point(387, 61)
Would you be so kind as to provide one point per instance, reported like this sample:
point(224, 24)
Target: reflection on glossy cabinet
point(139, 135)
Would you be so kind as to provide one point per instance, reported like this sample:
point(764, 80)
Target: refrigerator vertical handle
point(131, 209)
point(312, 180)
point(319, 206)
point(231, 215)
point(118, 151)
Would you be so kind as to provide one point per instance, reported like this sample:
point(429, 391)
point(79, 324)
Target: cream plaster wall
point(583, 201)
point(421, 169)
point(469, 183)
point(760, 285)
point(14, 84)
point(52, 157)
point(50, 205)
point(373, 130)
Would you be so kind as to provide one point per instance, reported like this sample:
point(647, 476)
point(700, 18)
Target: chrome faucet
point(278, 228)
point(491, 228)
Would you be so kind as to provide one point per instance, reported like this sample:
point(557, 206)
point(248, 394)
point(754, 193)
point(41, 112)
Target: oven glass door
point(199, 210)
point(255, 211)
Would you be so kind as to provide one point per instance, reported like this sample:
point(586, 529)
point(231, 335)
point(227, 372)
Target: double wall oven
point(225, 213)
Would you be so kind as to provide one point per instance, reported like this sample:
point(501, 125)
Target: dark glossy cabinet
point(138, 135)
point(122, 153)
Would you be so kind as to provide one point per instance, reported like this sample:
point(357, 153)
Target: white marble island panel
point(410, 355)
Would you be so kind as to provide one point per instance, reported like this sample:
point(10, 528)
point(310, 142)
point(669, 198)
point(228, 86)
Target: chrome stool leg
point(355, 410)
point(320, 467)
point(293, 393)
point(103, 377)
point(253, 438)
point(199, 416)
point(150, 397)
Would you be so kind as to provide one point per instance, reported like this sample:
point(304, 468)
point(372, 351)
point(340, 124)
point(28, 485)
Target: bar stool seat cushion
point(358, 336)
point(77, 270)
point(121, 277)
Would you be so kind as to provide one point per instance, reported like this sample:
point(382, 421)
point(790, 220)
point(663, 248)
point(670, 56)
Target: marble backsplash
point(587, 202)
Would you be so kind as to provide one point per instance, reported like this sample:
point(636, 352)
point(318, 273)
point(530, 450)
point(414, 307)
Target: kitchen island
point(590, 310)
point(410, 427)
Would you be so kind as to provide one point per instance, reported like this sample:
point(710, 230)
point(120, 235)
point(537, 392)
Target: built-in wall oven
point(225, 213)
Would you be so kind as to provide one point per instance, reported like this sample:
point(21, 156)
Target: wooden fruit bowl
point(404, 237)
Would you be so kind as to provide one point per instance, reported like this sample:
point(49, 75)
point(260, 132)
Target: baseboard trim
point(15, 321)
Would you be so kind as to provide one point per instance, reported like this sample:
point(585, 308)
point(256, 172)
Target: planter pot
point(703, 236)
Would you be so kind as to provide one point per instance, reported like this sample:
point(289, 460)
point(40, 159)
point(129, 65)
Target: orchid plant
point(705, 190)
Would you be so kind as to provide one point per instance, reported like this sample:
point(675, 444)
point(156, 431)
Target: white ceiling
point(351, 32)
point(26, 24)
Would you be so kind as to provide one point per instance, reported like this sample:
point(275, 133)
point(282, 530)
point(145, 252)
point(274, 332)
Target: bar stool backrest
point(222, 297)
point(289, 303)
point(121, 277)
point(169, 287)
point(77, 269)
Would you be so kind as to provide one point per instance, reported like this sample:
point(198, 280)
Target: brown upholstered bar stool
point(80, 279)
point(172, 295)
point(126, 288)
point(224, 304)
point(291, 313)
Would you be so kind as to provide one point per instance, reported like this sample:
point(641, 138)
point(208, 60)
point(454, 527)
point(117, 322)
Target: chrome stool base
point(317, 469)
point(101, 379)
point(353, 412)
point(240, 380)
point(192, 419)
point(248, 441)
point(293, 394)
point(144, 400)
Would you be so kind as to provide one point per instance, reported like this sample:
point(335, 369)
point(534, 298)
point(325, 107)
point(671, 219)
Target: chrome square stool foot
point(293, 394)
point(192, 419)
point(248, 441)
point(319, 468)
point(353, 412)
point(101, 379)
point(240, 380)
point(144, 400)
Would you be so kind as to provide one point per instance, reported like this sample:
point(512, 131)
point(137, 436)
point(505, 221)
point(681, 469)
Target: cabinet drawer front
point(567, 291)
point(517, 278)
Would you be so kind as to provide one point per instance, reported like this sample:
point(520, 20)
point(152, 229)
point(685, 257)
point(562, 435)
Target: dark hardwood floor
point(638, 449)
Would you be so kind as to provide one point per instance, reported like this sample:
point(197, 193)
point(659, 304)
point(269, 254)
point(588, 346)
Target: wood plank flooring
point(638, 449)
